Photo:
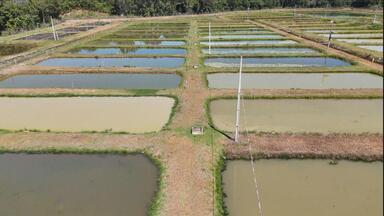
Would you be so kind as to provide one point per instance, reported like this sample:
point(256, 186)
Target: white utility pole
point(209, 38)
point(53, 30)
point(238, 103)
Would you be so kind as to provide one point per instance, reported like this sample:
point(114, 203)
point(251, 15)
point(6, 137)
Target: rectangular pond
point(304, 187)
point(129, 51)
point(261, 50)
point(159, 62)
point(76, 114)
point(354, 35)
point(69, 184)
point(139, 42)
point(277, 62)
point(272, 36)
point(294, 80)
point(362, 41)
point(92, 81)
point(12, 49)
point(373, 48)
point(301, 115)
point(247, 43)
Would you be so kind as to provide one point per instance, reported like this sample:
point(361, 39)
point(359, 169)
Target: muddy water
point(131, 51)
point(305, 187)
point(90, 81)
point(284, 50)
point(277, 62)
point(373, 48)
point(70, 114)
point(87, 185)
point(296, 80)
point(161, 62)
point(301, 115)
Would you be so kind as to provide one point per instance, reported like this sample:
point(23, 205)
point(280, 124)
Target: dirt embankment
point(366, 147)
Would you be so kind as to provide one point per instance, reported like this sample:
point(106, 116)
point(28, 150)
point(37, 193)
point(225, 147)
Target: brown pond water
point(69, 114)
point(76, 185)
point(301, 115)
point(305, 187)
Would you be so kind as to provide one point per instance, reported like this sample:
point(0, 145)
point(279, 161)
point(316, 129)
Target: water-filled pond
point(373, 48)
point(74, 114)
point(295, 80)
point(362, 41)
point(272, 36)
point(277, 62)
point(130, 51)
point(302, 115)
point(140, 42)
point(246, 31)
point(250, 42)
point(261, 50)
point(69, 184)
point(91, 81)
point(160, 62)
point(354, 35)
point(304, 187)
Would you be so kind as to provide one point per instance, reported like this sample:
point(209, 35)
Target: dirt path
point(369, 64)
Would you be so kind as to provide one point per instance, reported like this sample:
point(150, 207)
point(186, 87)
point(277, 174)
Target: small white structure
point(197, 130)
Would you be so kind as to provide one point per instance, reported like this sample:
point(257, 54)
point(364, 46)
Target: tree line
point(17, 15)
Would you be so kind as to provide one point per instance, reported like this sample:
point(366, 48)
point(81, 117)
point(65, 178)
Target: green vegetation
point(25, 15)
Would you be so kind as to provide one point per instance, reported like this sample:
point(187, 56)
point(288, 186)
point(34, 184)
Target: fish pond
point(277, 62)
point(77, 114)
point(373, 48)
point(295, 80)
point(304, 187)
point(362, 41)
point(92, 81)
point(272, 36)
point(261, 50)
point(139, 42)
point(247, 43)
point(69, 184)
point(128, 51)
point(301, 115)
point(160, 62)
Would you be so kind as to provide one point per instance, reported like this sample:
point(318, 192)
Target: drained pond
point(68, 184)
point(301, 115)
point(304, 187)
point(131, 51)
point(76, 114)
point(161, 62)
point(277, 62)
point(91, 81)
point(295, 80)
